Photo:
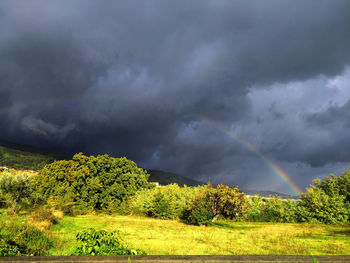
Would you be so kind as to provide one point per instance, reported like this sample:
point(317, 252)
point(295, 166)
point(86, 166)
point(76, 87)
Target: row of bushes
point(194, 205)
point(112, 185)
point(325, 201)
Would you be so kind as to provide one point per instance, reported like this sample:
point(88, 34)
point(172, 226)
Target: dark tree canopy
point(100, 182)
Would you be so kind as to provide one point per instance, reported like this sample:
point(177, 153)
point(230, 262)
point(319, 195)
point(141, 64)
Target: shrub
point(273, 210)
point(22, 240)
point(43, 214)
point(165, 202)
point(15, 187)
point(43, 218)
point(198, 212)
point(256, 212)
point(103, 243)
point(8, 248)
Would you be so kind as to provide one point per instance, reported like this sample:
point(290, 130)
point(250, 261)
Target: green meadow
point(171, 237)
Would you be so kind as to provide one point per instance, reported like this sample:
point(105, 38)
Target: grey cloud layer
point(132, 78)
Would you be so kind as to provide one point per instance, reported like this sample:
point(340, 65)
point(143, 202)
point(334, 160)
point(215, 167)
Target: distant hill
point(269, 194)
point(25, 157)
point(165, 178)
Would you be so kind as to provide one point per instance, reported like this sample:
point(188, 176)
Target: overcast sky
point(181, 85)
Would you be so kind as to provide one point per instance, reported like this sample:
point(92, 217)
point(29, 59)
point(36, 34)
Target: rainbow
point(278, 170)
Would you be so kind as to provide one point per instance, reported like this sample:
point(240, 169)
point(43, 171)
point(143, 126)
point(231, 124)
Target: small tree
point(208, 205)
point(227, 201)
point(15, 186)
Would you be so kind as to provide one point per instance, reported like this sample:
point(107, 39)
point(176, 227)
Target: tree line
point(117, 185)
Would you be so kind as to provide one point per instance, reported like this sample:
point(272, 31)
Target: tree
point(227, 201)
point(15, 186)
point(335, 185)
point(209, 204)
point(328, 200)
point(320, 207)
point(100, 182)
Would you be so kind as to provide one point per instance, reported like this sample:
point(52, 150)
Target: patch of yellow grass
point(42, 225)
point(166, 237)
point(58, 214)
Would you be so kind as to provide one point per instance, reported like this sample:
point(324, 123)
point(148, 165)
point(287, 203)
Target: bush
point(103, 243)
point(43, 214)
point(15, 188)
point(198, 212)
point(43, 218)
point(165, 202)
point(17, 239)
point(273, 210)
point(256, 211)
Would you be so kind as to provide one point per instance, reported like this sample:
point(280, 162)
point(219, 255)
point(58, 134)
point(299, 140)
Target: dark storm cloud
point(132, 78)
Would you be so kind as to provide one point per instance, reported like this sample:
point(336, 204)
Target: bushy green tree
point(227, 201)
point(317, 206)
point(15, 187)
point(213, 202)
point(335, 185)
point(198, 212)
point(328, 200)
point(90, 183)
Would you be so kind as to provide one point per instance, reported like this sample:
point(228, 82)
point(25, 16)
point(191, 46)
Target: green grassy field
point(166, 237)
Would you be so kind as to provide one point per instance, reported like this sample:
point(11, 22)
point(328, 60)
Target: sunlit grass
point(168, 237)
point(165, 237)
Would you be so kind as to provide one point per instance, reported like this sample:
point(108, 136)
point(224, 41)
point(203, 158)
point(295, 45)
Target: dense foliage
point(326, 201)
point(210, 203)
point(317, 206)
point(103, 243)
point(20, 239)
point(166, 202)
point(90, 183)
point(198, 212)
point(273, 210)
point(15, 188)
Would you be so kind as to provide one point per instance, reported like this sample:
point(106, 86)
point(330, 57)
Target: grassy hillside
point(165, 178)
point(25, 157)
